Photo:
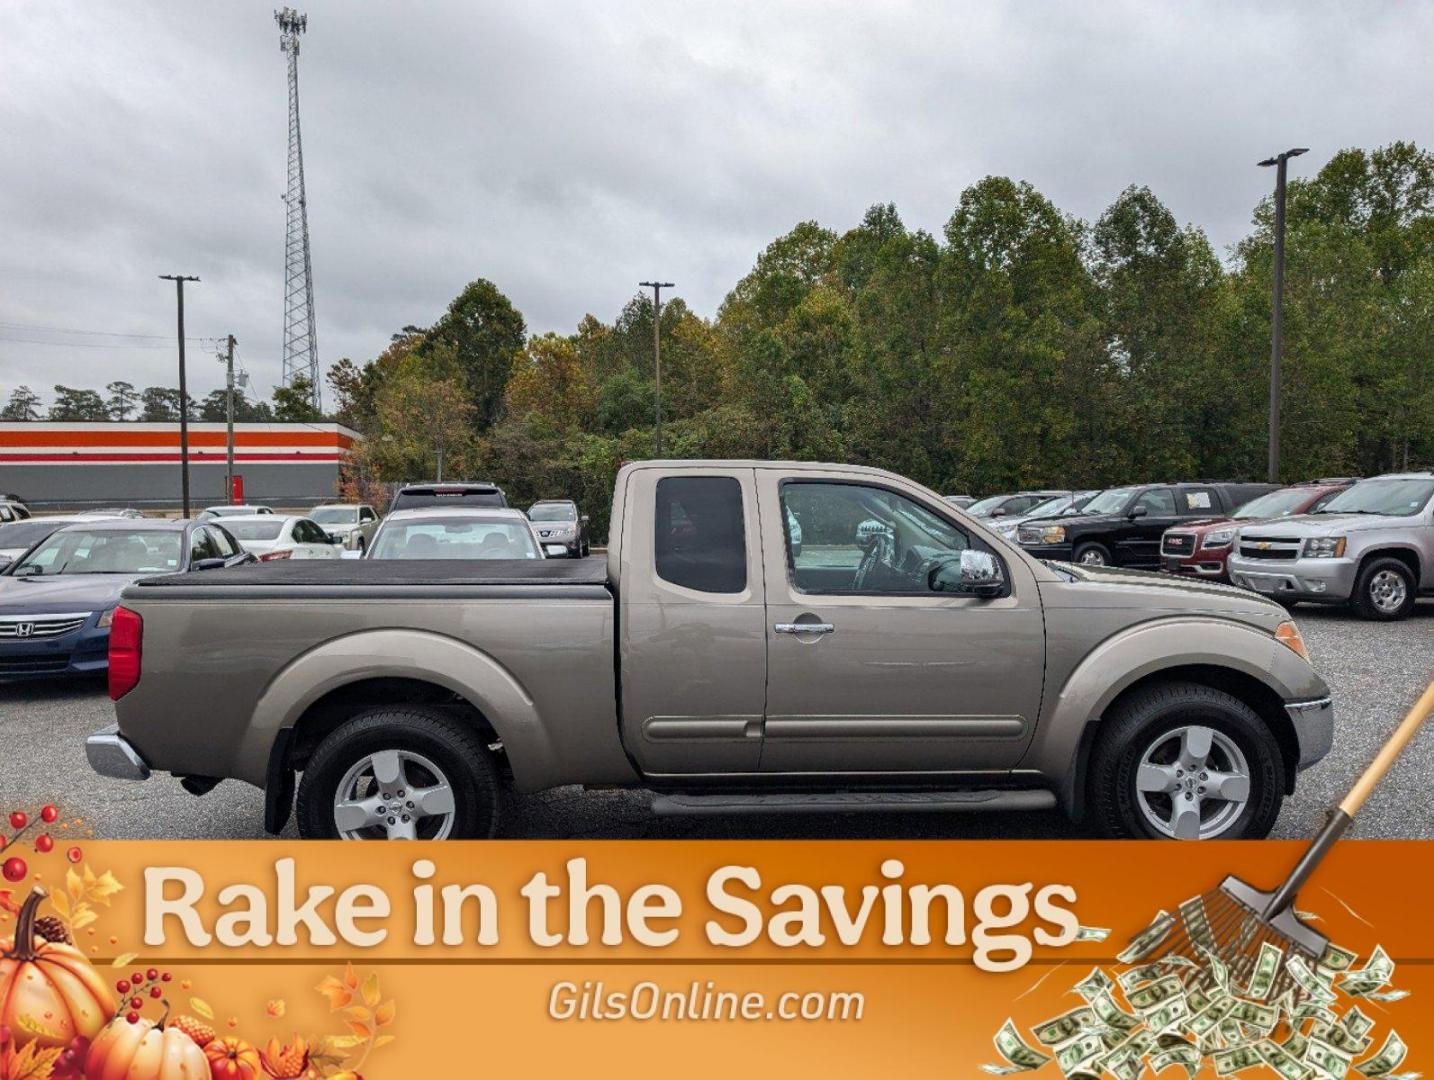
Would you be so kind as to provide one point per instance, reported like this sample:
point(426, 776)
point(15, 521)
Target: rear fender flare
point(409, 654)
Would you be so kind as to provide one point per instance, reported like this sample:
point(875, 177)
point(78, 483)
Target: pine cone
point(52, 929)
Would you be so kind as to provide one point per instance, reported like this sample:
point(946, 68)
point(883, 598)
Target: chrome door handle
point(804, 628)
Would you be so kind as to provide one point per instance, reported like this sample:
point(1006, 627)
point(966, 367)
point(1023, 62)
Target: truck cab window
point(1158, 502)
point(860, 539)
point(700, 539)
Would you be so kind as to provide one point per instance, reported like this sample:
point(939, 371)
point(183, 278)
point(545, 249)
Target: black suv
point(1123, 526)
point(445, 493)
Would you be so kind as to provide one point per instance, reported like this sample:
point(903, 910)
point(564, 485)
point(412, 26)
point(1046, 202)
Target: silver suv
point(1371, 546)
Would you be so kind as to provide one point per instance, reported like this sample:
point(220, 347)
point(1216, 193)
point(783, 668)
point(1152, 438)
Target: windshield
point(1050, 506)
point(454, 538)
point(21, 534)
point(982, 507)
point(255, 530)
point(1275, 504)
point(1109, 502)
point(334, 515)
point(553, 512)
point(109, 551)
point(1398, 498)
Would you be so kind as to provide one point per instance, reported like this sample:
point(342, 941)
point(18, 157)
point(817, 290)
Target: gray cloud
point(568, 150)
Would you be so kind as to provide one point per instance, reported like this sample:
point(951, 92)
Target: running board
point(852, 802)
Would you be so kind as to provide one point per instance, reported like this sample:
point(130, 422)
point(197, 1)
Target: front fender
point(1119, 662)
point(406, 654)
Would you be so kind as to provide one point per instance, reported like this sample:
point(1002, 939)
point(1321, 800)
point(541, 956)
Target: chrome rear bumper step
point(853, 802)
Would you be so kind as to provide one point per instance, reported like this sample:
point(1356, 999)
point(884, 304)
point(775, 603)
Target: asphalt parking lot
point(1376, 672)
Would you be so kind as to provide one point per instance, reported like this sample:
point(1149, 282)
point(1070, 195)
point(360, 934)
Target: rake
point(1233, 922)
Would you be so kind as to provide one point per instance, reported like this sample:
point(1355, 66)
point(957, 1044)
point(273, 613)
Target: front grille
point(41, 626)
point(32, 665)
point(1178, 544)
point(1269, 547)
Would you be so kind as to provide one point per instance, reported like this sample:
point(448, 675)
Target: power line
point(200, 342)
point(76, 330)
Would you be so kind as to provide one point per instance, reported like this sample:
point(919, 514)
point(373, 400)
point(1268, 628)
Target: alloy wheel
point(1388, 591)
point(1192, 783)
point(394, 795)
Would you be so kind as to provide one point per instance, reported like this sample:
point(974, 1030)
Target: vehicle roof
point(1421, 474)
point(494, 513)
point(232, 506)
point(136, 524)
point(230, 518)
point(339, 505)
point(430, 484)
point(555, 502)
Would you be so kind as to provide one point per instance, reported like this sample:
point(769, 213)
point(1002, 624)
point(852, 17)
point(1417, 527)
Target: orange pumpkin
point(49, 993)
point(144, 1050)
point(232, 1058)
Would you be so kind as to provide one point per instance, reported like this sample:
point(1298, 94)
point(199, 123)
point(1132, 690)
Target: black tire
point(1097, 554)
point(1138, 723)
point(459, 750)
point(1371, 596)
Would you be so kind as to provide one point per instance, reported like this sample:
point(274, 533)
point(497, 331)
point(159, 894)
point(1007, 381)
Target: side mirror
point(1137, 512)
point(1000, 511)
point(217, 563)
point(976, 573)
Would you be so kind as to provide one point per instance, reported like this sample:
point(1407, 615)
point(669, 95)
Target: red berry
point(49, 813)
point(137, 978)
point(19, 819)
point(74, 854)
point(152, 974)
point(122, 986)
point(132, 1017)
point(155, 991)
point(44, 844)
point(136, 1003)
point(14, 868)
point(165, 977)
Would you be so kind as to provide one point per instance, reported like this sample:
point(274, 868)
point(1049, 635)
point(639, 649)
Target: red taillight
point(275, 556)
point(126, 633)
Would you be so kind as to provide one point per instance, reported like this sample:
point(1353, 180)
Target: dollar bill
point(1112, 1015)
point(1313, 986)
point(1267, 966)
point(1149, 939)
point(1391, 1055)
point(1340, 1037)
point(1094, 984)
point(1336, 959)
point(1296, 1043)
point(1168, 1015)
point(1092, 933)
point(1020, 1056)
point(1286, 1064)
point(1313, 1010)
point(1217, 970)
point(1237, 1059)
point(1151, 996)
point(1375, 974)
point(1257, 1015)
point(1080, 1051)
point(1063, 1028)
point(1329, 1060)
point(1387, 995)
point(1185, 1056)
point(1208, 1018)
point(1355, 1022)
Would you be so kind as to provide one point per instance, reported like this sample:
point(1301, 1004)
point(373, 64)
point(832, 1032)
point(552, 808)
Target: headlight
point(1288, 635)
point(1219, 538)
point(105, 619)
point(1324, 547)
point(1053, 534)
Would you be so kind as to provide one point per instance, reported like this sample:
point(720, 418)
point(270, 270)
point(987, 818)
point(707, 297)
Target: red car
point(1201, 547)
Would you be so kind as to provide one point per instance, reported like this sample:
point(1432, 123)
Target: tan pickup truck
point(761, 636)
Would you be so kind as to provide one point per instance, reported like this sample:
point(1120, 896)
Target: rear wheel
point(399, 773)
point(1092, 555)
point(1185, 761)
point(1384, 590)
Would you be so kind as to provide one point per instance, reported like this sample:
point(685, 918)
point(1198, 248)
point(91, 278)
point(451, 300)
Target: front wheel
point(1384, 590)
point(405, 772)
point(1185, 761)
point(1092, 555)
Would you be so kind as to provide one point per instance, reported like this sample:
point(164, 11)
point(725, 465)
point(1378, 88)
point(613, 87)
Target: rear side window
point(411, 498)
point(700, 538)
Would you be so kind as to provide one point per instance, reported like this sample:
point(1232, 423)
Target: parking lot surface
point(1376, 672)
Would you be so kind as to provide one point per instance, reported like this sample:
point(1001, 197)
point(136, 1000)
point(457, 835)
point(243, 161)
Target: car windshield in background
point(1109, 502)
point(553, 512)
point(21, 534)
point(1275, 504)
point(255, 530)
point(415, 498)
point(1050, 506)
point(986, 505)
point(449, 538)
point(334, 515)
point(1397, 498)
point(108, 551)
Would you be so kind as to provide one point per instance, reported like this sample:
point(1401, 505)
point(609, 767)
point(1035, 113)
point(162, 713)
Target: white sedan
point(281, 536)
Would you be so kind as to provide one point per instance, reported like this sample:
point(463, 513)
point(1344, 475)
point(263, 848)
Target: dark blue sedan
point(58, 599)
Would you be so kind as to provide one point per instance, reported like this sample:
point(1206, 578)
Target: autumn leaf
point(384, 1014)
point(383, 1040)
point(33, 1063)
point(61, 903)
point(123, 960)
point(276, 1008)
point(202, 1007)
point(363, 1031)
point(359, 1013)
point(338, 994)
point(103, 888)
point(371, 993)
point(74, 885)
point(351, 979)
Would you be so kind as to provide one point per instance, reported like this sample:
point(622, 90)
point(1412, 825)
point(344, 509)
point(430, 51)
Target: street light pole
point(179, 280)
point(229, 421)
point(657, 287)
point(1277, 306)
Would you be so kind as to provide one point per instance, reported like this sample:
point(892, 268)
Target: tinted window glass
point(411, 498)
point(201, 546)
point(454, 538)
point(256, 530)
point(1158, 502)
point(223, 542)
point(700, 538)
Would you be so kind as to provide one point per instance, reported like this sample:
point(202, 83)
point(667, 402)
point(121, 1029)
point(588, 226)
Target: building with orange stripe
point(69, 466)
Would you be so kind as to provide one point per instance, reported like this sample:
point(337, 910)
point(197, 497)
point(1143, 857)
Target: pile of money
point(1297, 1017)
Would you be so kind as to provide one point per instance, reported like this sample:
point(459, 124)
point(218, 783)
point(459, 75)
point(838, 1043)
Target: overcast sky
point(569, 150)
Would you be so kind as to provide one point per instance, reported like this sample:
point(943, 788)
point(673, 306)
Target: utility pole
point(1277, 307)
point(301, 340)
point(229, 420)
point(179, 280)
point(657, 287)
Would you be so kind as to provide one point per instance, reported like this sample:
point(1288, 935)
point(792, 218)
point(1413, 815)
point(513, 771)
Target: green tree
point(486, 334)
point(294, 403)
point(161, 403)
point(24, 404)
point(122, 400)
point(73, 404)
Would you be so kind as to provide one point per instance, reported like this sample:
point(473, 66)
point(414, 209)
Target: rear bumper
point(1296, 579)
point(111, 754)
point(1314, 728)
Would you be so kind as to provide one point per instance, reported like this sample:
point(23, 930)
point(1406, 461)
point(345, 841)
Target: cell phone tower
point(301, 341)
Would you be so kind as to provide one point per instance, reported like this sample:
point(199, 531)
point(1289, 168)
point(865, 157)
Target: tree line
point(122, 401)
